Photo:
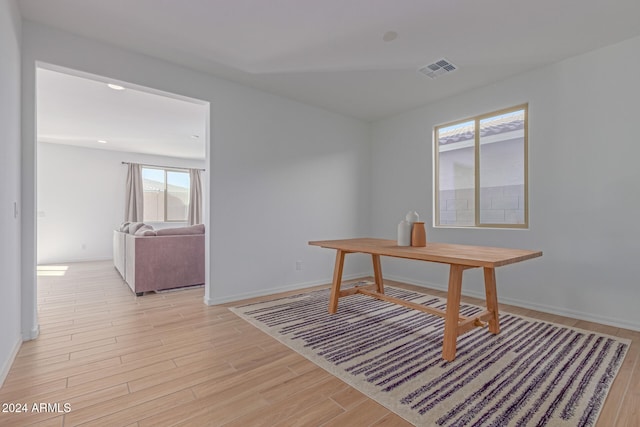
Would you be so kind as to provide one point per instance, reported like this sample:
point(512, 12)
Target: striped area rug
point(533, 373)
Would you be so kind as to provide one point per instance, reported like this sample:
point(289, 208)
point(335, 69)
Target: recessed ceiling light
point(102, 141)
point(390, 36)
point(115, 87)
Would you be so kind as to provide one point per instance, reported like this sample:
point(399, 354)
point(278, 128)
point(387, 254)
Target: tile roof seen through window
point(491, 126)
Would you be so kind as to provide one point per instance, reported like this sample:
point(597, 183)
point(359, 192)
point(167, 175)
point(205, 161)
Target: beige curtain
point(195, 197)
point(133, 209)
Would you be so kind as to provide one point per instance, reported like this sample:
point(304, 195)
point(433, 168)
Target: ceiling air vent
point(437, 69)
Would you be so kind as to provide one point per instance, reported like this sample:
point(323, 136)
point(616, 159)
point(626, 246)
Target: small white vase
point(412, 216)
point(404, 233)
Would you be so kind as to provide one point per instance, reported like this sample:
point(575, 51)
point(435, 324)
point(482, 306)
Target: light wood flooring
point(167, 359)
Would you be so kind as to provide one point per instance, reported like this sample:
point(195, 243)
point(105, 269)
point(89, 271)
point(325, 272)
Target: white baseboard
point(551, 309)
point(32, 334)
point(546, 308)
point(270, 291)
point(6, 366)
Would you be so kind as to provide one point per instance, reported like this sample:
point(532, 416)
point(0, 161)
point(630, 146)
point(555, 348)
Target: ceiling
point(332, 53)
point(85, 111)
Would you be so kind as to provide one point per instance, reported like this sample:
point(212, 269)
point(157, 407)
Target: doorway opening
point(88, 128)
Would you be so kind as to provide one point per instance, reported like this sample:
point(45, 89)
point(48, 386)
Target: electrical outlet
point(298, 265)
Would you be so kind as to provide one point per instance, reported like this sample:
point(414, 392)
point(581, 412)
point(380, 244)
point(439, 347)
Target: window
point(166, 194)
point(481, 171)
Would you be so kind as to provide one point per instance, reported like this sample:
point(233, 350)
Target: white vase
point(404, 233)
point(412, 216)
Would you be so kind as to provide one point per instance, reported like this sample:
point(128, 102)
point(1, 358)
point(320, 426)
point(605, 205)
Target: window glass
point(177, 196)
point(456, 174)
point(502, 169)
point(153, 184)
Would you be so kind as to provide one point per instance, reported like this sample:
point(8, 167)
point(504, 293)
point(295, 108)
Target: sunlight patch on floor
point(52, 270)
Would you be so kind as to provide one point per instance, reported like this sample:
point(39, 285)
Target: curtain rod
point(163, 167)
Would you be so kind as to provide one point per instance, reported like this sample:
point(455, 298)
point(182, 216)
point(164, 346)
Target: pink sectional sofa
point(153, 260)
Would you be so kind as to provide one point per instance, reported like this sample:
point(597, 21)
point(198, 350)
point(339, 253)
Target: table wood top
point(476, 256)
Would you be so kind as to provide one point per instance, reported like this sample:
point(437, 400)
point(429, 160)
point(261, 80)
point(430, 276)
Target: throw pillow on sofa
point(145, 230)
point(135, 226)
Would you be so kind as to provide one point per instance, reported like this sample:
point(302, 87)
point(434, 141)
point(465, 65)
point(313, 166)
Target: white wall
point(583, 186)
point(10, 332)
point(281, 172)
point(81, 199)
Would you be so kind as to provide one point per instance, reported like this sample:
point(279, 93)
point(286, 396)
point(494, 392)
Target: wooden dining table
point(459, 258)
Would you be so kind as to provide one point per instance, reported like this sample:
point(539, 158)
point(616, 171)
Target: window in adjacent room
point(481, 171)
point(166, 194)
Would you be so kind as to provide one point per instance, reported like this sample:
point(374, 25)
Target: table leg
point(453, 313)
point(337, 280)
point(492, 299)
point(377, 273)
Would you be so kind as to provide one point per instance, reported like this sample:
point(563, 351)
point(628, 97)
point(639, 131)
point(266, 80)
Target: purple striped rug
point(533, 373)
